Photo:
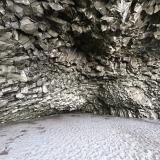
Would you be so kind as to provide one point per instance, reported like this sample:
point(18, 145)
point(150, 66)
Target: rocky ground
point(98, 56)
point(81, 137)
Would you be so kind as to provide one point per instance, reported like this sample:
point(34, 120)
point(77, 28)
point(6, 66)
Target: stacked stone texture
point(99, 56)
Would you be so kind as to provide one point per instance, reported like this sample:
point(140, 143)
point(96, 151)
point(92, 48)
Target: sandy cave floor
point(81, 137)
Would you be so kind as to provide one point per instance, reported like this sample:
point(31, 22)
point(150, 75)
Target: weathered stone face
point(71, 55)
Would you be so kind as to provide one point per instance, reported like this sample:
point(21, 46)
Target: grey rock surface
point(70, 55)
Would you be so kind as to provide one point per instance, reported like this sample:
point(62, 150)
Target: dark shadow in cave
point(89, 45)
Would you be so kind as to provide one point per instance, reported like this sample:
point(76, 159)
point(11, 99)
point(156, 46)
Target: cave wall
point(99, 56)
